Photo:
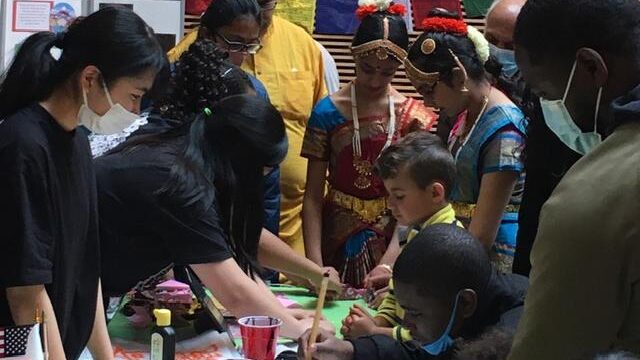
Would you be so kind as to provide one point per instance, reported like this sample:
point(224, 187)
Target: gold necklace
point(364, 167)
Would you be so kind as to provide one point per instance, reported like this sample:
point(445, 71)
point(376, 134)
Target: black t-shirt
point(140, 234)
point(48, 220)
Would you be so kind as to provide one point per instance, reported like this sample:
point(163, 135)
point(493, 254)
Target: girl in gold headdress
point(349, 227)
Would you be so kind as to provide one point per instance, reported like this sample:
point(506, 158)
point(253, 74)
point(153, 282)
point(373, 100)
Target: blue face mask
point(445, 341)
point(507, 58)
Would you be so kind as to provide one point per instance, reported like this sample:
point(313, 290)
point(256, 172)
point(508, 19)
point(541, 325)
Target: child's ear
point(468, 303)
point(438, 192)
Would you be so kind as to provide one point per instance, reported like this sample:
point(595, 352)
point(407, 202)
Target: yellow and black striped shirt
point(390, 310)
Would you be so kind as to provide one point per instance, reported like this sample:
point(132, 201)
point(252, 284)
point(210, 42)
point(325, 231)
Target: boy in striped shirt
point(418, 173)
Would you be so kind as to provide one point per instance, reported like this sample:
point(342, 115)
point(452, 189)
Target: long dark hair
point(230, 149)
point(114, 39)
point(220, 159)
point(223, 12)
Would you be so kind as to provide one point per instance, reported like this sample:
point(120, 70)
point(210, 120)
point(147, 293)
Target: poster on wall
point(164, 17)
point(31, 16)
point(22, 18)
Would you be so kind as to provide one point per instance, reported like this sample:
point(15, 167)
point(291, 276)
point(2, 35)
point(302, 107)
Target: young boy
point(445, 281)
point(418, 173)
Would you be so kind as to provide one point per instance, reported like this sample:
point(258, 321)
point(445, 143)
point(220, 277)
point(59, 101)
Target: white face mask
point(112, 122)
point(559, 120)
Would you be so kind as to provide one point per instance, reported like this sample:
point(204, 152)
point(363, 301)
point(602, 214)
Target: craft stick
point(316, 319)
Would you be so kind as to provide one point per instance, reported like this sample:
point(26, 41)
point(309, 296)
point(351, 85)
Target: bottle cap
point(163, 317)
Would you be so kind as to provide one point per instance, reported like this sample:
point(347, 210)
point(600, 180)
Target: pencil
point(44, 335)
point(316, 319)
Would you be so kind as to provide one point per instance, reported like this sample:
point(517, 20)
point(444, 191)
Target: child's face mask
point(445, 342)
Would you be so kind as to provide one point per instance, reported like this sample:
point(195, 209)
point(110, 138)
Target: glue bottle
point(163, 337)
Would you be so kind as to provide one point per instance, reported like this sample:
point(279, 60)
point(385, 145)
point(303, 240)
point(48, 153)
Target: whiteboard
point(166, 17)
point(22, 18)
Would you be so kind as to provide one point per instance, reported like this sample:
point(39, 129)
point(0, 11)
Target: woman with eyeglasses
point(234, 25)
point(447, 65)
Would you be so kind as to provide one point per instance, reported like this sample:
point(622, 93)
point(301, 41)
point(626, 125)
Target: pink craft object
point(141, 317)
point(173, 292)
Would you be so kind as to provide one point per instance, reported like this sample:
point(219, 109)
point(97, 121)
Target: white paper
point(32, 15)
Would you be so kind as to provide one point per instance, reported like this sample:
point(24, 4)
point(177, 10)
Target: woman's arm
point(243, 296)
point(380, 275)
point(277, 255)
point(495, 190)
point(99, 343)
point(312, 210)
point(393, 250)
point(23, 302)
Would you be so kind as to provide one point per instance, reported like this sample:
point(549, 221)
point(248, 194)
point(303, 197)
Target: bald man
point(501, 22)
point(547, 158)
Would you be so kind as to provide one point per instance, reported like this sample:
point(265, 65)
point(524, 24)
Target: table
point(131, 343)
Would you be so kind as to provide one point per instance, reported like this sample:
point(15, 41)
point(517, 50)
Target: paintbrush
point(316, 319)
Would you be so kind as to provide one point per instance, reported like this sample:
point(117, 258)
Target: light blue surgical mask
point(558, 119)
point(445, 342)
point(507, 58)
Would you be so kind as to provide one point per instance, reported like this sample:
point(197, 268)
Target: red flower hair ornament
point(370, 7)
point(445, 25)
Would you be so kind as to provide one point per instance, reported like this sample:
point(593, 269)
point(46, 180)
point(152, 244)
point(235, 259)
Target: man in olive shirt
point(584, 296)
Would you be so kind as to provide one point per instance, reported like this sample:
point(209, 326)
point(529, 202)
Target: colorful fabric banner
point(421, 8)
point(476, 8)
point(299, 12)
point(336, 17)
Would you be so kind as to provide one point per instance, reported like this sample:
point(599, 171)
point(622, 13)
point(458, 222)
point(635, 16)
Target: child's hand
point(358, 323)
point(378, 297)
point(377, 278)
point(356, 326)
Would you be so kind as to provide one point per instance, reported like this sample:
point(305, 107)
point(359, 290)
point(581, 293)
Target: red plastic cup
point(259, 337)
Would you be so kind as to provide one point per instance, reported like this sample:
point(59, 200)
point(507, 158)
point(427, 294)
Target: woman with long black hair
point(193, 196)
point(49, 257)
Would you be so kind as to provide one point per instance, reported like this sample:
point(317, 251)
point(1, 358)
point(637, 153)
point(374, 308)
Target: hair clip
point(207, 111)
point(428, 46)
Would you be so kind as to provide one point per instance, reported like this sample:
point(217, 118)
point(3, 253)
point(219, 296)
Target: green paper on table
point(334, 311)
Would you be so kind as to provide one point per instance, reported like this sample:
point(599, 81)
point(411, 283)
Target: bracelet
point(386, 267)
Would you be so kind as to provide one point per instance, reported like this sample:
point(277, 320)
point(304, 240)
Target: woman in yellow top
point(350, 227)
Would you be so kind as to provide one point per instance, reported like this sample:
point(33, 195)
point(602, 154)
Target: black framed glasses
point(236, 46)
